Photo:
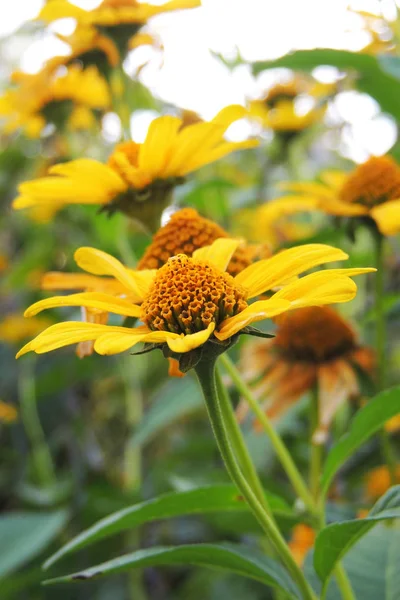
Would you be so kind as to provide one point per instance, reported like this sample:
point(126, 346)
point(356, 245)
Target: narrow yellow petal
point(97, 300)
point(60, 9)
point(116, 342)
point(54, 280)
point(63, 334)
point(87, 168)
point(219, 253)
point(208, 156)
point(387, 217)
point(98, 262)
point(258, 311)
point(270, 272)
point(191, 341)
point(311, 188)
point(156, 149)
point(288, 205)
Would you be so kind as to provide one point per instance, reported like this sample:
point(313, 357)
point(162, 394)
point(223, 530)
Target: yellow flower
point(371, 190)
point(3, 262)
point(14, 328)
point(278, 109)
point(302, 540)
point(378, 481)
point(138, 178)
point(8, 413)
point(380, 31)
point(192, 300)
point(49, 96)
point(312, 346)
point(111, 12)
point(90, 46)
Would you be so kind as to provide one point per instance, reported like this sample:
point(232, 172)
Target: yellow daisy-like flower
point(278, 109)
point(111, 12)
point(371, 190)
point(138, 178)
point(53, 97)
point(378, 481)
point(312, 347)
point(190, 301)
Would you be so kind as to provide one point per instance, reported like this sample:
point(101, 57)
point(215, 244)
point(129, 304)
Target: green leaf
point(365, 423)
point(228, 557)
point(24, 535)
point(171, 403)
point(377, 78)
point(334, 541)
point(201, 500)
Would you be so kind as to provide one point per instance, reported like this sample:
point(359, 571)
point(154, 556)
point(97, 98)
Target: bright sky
point(188, 75)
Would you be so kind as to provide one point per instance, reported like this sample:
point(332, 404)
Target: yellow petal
point(288, 205)
point(311, 188)
point(155, 151)
point(54, 280)
point(98, 262)
point(191, 341)
point(63, 334)
point(270, 272)
point(387, 217)
point(263, 309)
point(208, 156)
point(87, 168)
point(116, 342)
point(219, 253)
point(324, 287)
point(60, 9)
point(103, 302)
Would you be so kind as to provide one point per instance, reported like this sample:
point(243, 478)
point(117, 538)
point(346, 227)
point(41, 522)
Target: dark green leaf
point(335, 541)
point(24, 535)
point(201, 500)
point(376, 78)
point(365, 423)
point(228, 557)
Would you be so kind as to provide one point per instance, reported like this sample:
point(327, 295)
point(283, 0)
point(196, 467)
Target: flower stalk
point(205, 371)
point(317, 449)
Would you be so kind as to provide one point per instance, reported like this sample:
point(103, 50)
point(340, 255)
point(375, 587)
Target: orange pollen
point(188, 295)
point(375, 181)
point(184, 233)
point(314, 334)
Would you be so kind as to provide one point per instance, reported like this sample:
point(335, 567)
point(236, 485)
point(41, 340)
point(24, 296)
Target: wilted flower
point(312, 347)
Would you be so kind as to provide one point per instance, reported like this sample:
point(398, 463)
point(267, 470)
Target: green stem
point(344, 583)
point(41, 457)
point(386, 447)
point(316, 449)
point(282, 452)
point(238, 442)
point(205, 371)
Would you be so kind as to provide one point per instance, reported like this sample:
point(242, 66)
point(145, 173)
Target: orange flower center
point(375, 181)
point(281, 91)
point(187, 296)
point(316, 334)
point(185, 232)
point(124, 157)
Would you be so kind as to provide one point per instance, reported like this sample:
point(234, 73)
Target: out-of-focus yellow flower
point(312, 346)
point(8, 413)
point(139, 178)
point(90, 46)
point(378, 481)
point(371, 190)
point(279, 109)
point(393, 425)
point(3, 262)
point(111, 13)
point(14, 328)
point(190, 300)
point(49, 96)
point(379, 30)
point(302, 540)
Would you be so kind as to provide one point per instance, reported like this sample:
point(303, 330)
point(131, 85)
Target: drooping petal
point(87, 168)
point(266, 274)
point(387, 217)
point(189, 342)
point(219, 253)
point(114, 342)
point(64, 334)
point(257, 311)
point(98, 262)
point(97, 300)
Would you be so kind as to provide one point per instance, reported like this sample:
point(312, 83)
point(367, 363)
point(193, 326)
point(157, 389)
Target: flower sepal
point(208, 351)
point(249, 330)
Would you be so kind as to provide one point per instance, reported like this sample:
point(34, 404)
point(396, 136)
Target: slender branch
point(206, 374)
point(316, 449)
point(282, 452)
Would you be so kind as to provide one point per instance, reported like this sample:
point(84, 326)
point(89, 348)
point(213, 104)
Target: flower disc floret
point(374, 182)
point(316, 334)
point(188, 295)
